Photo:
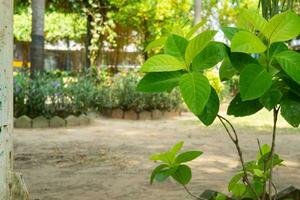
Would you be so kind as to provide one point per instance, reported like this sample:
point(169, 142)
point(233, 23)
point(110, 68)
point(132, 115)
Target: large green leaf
point(282, 27)
point(239, 108)
point(209, 57)
point(188, 156)
point(251, 20)
point(254, 82)
point(183, 174)
point(156, 43)
point(290, 63)
point(175, 46)
point(163, 174)
point(197, 44)
point(247, 42)
point(162, 63)
point(290, 109)
point(271, 98)
point(240, 60)
point(229, 32)
point(195, 90)
point(211, 109)
point(159, 81)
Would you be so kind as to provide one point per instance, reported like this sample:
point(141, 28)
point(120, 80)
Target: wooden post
point(6, 97)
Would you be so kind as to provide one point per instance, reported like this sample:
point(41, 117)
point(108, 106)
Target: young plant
point(173, 165)
point(269, 77)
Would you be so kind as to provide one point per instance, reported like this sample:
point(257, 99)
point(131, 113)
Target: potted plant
point(269, 77)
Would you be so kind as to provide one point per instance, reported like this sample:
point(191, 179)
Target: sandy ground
point(109, 160)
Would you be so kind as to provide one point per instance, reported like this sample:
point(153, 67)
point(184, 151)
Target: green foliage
point(269, 78)
point(183, 63)
point(172, 165)
point(259, 172)
point(58, 26)
point(63, 93)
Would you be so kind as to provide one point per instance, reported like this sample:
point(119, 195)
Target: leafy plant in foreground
point(269, 77)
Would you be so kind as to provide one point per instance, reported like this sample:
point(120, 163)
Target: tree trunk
point(197, 11)
point(88, 41)
point(37, 36)
point(6, 97)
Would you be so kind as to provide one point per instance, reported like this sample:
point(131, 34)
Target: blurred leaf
point(188, 156)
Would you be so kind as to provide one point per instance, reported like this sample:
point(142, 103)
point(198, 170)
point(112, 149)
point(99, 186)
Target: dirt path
point(109, 160)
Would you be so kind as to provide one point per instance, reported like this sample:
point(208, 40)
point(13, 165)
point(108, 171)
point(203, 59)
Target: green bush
point(65, 93)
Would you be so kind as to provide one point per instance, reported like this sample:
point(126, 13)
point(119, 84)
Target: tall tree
point(197, 11)
point(37, 36)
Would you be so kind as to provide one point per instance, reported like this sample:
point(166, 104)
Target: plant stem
point(275, 117)
point(191, 194)
point(235, 140)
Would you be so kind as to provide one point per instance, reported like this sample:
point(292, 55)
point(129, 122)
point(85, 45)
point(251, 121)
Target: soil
point(109, 160)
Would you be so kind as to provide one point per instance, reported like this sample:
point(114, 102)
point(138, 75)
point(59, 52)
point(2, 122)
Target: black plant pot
point(290, 193)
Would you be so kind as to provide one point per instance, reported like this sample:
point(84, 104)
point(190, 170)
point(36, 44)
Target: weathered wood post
point(6, 97)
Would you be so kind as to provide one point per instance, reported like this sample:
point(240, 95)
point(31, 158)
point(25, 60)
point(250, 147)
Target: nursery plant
point(269, 77)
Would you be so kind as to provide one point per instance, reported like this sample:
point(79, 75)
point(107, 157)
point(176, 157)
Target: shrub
point(64, 93)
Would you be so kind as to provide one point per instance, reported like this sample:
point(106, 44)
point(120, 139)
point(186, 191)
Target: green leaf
point(238, 190)
point(188, 156)
point(276, 48)
point(247, 42)
point(176, 46)
point(254, 82)
point(167, 157)
point(195, 90)
point(271, 98)
point(194, 29)
point(177, 147)
point(164, 174)
point(209, 57)
point(221, 197)
point(290, 109)
point(159, 81)
point(156, 43)
point(239, 108)
point(258, 173)
point(211, 109)
point(282, 27)
point(156, 171)
point(230, 31)
point(234, 180)
point(183, 174)
point(197, 44)
point(240, 60)
point(226, 71)
point(251, 20)
point(161, 63)
point(289, 61)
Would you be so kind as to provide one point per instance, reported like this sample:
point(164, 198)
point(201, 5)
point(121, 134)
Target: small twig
point(235, 140)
